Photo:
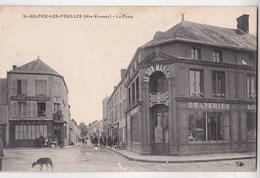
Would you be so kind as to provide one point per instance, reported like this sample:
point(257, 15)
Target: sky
point(90, 52)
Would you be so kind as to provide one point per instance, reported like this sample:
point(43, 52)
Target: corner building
point(38, 104)
point(192, 89)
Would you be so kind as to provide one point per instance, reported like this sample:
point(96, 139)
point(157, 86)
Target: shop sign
point(251, 107)
point(157, 67)
point(29, 98)
point(197, 105)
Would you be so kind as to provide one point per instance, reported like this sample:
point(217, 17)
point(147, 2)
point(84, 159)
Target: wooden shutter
point(34, 109)
point(243, 126)
point(226, 126)
point(14, 87)
point(14, 108)
point(29, 109)
point(183, 127)
point(48, 109)
point(24, 87)
point(235, 126)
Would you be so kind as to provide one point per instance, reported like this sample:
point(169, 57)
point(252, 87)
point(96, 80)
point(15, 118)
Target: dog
point(42, 161)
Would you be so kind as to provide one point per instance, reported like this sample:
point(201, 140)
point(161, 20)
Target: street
point(85, 158)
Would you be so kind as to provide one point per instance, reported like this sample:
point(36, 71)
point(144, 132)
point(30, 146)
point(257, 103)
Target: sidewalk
point(184, 159)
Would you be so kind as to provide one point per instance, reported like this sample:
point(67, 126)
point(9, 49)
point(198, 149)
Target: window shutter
point(29, 109)
point(24, 87)
point(14, 87)
point(34, 109)
point(14, 109)
point(226, 126)
point(48, 109)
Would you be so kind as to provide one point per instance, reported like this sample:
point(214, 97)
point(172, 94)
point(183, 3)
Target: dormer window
point(195, 53)
point(217, 56)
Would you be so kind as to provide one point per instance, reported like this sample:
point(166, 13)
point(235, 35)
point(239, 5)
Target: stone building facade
point(192, 89)
point(37, 104)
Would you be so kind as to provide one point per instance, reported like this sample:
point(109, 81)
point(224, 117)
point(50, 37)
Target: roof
point(35, 67)
point(3, 91)
point(205, 34)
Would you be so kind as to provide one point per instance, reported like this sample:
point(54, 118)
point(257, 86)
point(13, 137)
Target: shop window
point(41, 87)
point(196, 83)
point(251, 126)
point(21, 109)
point(218, 80)
point(217, 56)
point(195, 53)
point(205, 126)
point(41, 109)
point(158, 82)
point(30, 132)
point(251, 87)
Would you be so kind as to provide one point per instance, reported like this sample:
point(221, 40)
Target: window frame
point(195, 53)
point(249, 86)
point(215, 86)
point(201, 93)
point(217, 56)
point(38, 106)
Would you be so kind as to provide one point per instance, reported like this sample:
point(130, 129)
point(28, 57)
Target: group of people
point(103, 141)
point(46, 142)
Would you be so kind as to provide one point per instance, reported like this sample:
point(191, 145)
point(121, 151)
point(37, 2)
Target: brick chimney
point(14, 67)
point(242, 23)
point(123, 72)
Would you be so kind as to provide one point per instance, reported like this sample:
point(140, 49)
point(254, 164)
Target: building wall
point(56, 93)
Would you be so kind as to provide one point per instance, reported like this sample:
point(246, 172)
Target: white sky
point(89, 53)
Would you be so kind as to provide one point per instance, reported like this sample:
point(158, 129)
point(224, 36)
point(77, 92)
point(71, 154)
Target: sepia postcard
point(128, 89)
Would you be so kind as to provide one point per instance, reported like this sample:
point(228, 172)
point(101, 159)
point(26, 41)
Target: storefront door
point(160, 132)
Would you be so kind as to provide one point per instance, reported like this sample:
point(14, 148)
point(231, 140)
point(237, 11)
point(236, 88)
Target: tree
point(83, 129)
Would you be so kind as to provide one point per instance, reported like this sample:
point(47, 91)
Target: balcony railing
point(159, 98)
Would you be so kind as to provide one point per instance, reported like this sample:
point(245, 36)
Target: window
point(196, 85)
point(251, 125)
point(41, 87)
point(217, 56)
point(56, 107)
point(218, 80)
point(41, 109)
point(133, 93)
point(19, 87)
point(129, 96)
point(21, 109)
point(30, 132)
point(137, 88)
point(251, 87)
point(158, 82)
point(195, 53)
point(205, 126)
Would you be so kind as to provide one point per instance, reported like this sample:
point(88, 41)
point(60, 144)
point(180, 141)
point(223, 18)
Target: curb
point(181, 161)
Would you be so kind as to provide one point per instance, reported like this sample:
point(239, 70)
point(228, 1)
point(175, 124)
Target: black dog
point(42, 161)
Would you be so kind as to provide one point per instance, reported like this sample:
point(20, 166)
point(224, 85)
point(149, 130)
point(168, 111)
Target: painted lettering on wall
point(197, 105)
point(157, 67)
point(30, 98)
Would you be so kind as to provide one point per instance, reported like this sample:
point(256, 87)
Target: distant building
point(192, 89)
point(37, 104)
point(74, 132)
point(105, 114)
point(116, 104)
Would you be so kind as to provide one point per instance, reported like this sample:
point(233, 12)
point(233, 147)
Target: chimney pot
point(14, 67)
point(242, 23)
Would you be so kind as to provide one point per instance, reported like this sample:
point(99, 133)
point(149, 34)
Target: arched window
point(158, 82)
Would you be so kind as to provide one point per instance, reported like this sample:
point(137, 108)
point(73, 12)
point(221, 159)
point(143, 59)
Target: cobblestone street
point(88, 159)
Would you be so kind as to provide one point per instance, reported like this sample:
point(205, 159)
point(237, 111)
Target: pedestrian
point(100, 141)
point(105, 141)
point(83, 141)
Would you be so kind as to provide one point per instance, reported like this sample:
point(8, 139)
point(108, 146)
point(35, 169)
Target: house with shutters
point(37, 98)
